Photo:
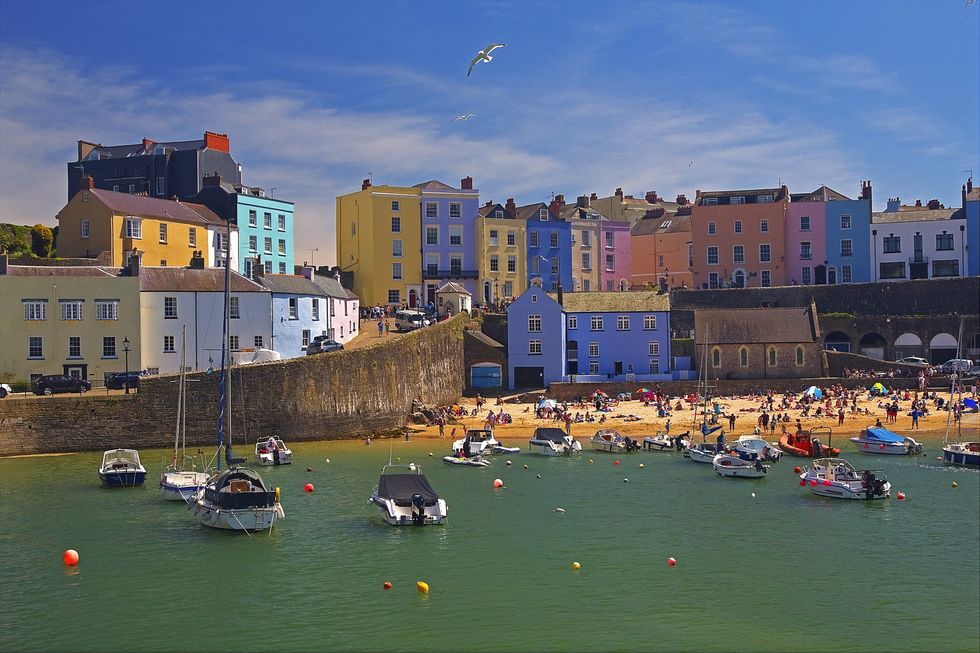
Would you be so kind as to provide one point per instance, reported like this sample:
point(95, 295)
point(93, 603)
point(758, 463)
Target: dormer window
point(709, 201)
point(499, 213)
point(542, 214)
point(738, 199)
point(764, 199)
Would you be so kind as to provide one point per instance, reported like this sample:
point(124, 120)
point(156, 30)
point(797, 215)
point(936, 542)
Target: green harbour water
point(781, 571)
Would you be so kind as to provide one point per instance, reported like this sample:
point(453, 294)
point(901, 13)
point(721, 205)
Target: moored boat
point(836, 478)
point(272, 451)
point(237, 499)
point(406, 498)
point(178, 483)
point(478, 442)
point(612, 441)
point(805, 446)
point(879, 440)
point(964, 454)
point(701, 453)
point(734, 466)
point(121, 468)
point(959, 452)
point(664, 442)
point(755, 444)
point(551, 441)
point(471, 461)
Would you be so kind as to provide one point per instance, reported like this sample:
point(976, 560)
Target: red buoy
point(70, 557)
point(901, 496)
point(615, 462)
point(802, 483)
point(797, 469)
point(387, 585)
point(826, 482)
point(308, 487)
point(881, 446)
point(813, 482)
point(671, 562)
point(498, 483)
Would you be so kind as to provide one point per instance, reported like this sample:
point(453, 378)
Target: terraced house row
point(402, 243)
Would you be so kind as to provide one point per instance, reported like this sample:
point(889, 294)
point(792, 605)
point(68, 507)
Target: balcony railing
point(450, 274)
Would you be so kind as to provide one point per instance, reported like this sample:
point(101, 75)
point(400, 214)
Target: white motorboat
point(664, 442)
point(964, 454)
point(481, 442)
point(178, 483)
point(121, 468)
point(551, 441)
point(237, 499)
point(406, 498)
point(734, 466)
point(836, 478)
point(273, 451)
point(877, 439)
point(472, 461)
point(612, 441)
point(755, 444)
point(959, 452)
point(701, 453)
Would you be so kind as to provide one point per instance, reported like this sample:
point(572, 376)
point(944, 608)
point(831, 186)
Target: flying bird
point(690, 164)
point(465, 116)
point(484, 55)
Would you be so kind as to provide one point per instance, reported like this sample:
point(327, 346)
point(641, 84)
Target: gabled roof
point(484, 338)
point(665, 224)
point(822, 194)
point(153, 207)
point(487, 212)
point(62, 271)
point(925, 215)
point(332, 287)
point(755, 325)
point(290, 284)
point(530, 211)
point(614, 302)
point(778, 194)
point(155, 279)
point(576, 212)
point(434, 184)
point(453, 287)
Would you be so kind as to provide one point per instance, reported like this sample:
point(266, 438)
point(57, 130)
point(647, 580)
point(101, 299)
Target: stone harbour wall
point(325, 397)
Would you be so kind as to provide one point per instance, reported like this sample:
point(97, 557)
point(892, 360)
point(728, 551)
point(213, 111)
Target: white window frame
point(282, 247)
point(71, 310)
point(738, 254)
point(572, 322)
point(234, 307)
point(396, 270)
point(649, 322)
point(456, 231)
point(434, 212)
point(396, 248)
point(622, 322)
point(109, 349)
point(163, 233)
point(267, 220)
point(74, 347)
point(805, 226)
point(596, 323)
point(134, 227)
point(738, 226)
point(106, 310)
point(35, 310)
point(395, 205)
point(534, 323)
point(267, 245)
point(192, 237)
point(170, 311)
point(455, 210)
point(553, 240)
point(850, 248)
point(281, 221)
point(593, 350)
point(767, 258)
point(736, 199)
point(168, 345)
point(653, 348)
point(534, 347)
point(253, 218)
point(253, 243)
point(845, 221)
point(764, 225)
point(765, 278)
point(511, 263)
point(429, 231)
point(708, 255)
point(31, 342)
point(712, 228)
point(593, 367)
point(86, 226)
point(543, 215)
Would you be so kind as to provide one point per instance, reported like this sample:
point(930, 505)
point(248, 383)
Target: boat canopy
point(884, 435)
point(478, 435)
point(400, 488)
point(555, 435)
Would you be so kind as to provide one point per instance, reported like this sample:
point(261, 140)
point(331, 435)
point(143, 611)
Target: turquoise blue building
point(265, 224)
point(971, 206)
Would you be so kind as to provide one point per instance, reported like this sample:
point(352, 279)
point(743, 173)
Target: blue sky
point(586, 97)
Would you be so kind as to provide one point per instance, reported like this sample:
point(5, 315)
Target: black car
point(123, 380)
point(52, 383)
point(321, 344)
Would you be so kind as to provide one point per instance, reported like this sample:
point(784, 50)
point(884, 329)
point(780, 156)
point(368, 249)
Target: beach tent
point(547, 403)
point(879, 389)
point(971, 404)
point(814, 392)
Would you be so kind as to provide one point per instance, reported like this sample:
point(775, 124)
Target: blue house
point(535, 339)
point(549, 246)
point(265, 224)
point(588, 337)
point(299, 311)
point(971, 206)
point(848, 237)
point(449, 236)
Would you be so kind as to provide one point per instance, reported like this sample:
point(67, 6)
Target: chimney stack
point(582, 201)
point(556, 204)
point(466, 183)
point(651, 197)
point(682, 200)
point(619, 193)
point(561, 295)
point(592, 198)
point(88, 183)
point(308, 272)
point(489, 203)
point(510, 207)
point(134, 263)
point(969, 185)
point(197, 260)
point(215, 141)
point(934, 204)
point(866, 190)
point(918, 203)
point(893, 205)
point(365, 184)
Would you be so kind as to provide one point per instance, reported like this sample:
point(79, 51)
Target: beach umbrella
point(547, 403)
point(642, 391)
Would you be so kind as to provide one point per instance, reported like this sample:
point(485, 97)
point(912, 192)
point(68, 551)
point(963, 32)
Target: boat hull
point(270, 459)
point(123, 478)
point(466, 462)
point(608, 447)
point(966, 454)
point(701, 455)
point(884, 448)
point(181, 486)
point(396, 515)
point(803, 453)
point(239, 519)
point(734, 467)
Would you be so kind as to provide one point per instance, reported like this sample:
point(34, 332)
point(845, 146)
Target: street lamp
point(126, 351)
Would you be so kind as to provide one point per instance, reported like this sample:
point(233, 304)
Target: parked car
point(122, 380)
point(956, 365)
point(409, 320)
point(52, 383)
point(914, 360)
point(322, 344)
point(4, 390)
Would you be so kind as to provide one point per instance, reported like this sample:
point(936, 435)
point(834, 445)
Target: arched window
point(743, 356)
point(772, 356)
point(800, 355)
point(716, 357)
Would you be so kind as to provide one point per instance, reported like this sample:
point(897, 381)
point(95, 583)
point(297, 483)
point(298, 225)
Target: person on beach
point(387, 328)
point(381, 328)
point(915, 417)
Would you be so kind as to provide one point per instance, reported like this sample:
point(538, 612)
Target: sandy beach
point(746, 408)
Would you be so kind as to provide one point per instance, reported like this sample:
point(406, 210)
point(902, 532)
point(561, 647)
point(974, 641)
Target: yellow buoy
point(954, 483)
point(422, 587)
point(576, 566)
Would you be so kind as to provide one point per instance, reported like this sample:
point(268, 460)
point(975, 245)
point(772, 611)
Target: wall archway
point(837, 341)
point(942, 347)
point(908, 344)
point(872, 345)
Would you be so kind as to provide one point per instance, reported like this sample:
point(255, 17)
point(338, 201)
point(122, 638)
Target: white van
point(956, 365)
point(409, 320)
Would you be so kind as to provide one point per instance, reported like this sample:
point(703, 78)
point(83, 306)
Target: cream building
point(501, 252)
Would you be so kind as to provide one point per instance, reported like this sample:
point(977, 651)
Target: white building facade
point(918, 244)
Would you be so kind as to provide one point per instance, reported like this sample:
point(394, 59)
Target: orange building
point(738, 238)
point(661, 244)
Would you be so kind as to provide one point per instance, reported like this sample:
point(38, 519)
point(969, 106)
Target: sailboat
point(236, 498)
point(177, 483)
point(703, 452)
point(963, 454)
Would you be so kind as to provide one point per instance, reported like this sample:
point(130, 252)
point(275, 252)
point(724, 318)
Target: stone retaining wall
point(332, 396)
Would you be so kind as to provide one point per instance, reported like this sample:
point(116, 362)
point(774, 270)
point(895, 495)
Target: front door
point(413, 298)
point(831, 276)
point(528, 377)
point(617, 367)
point(820, 275)
point(76, 371)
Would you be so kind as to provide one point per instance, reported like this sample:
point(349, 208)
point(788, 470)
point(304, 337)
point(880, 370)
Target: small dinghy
point(664, 442)
point(701, 453)
point(121, 468)
point(406, 498)
point(734, 466)
point(612, 441)
point(473, 461)
point(272, 451)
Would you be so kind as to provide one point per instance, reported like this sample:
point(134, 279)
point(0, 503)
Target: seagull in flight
point(465, 116)
point(484, 55)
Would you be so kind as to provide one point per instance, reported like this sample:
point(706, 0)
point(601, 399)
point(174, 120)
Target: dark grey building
point(165, 170)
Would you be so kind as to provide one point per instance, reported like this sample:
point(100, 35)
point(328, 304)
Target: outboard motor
point(868, 478)
point(879, 487)
point(418, 510)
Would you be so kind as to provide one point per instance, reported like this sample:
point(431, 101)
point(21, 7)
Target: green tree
point(41, 240)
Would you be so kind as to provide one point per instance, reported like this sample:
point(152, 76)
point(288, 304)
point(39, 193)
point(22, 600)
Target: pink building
point(617, 260)
point(805, 239)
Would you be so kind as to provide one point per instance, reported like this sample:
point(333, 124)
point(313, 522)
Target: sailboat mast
point(223, 386)
point(183, 396)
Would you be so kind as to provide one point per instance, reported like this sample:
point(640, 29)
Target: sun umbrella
point(642, 391)
point(547, 403)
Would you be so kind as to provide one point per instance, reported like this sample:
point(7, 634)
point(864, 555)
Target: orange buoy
point(387, 585)
point(70, 557)
point(498, 483)
point(308, 488)
point(671, 562)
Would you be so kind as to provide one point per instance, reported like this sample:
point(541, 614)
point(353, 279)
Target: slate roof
point(487, 212)
point(452, 286)
point(614, 302)
point(778, 194)
point(648, 226)
point(137, 149)
point(156, 279)
point(290, 284)
point(153, 207)
point(434, 184)
point(62, 271)
point(484, 338)
point(531, 210)
point(351, 294)
point(755, 325)
point(576, 212)
point(822, 194)
point(925, 215)
point(332, 287)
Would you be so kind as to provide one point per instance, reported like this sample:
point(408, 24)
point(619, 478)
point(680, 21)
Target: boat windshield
point(121, 456)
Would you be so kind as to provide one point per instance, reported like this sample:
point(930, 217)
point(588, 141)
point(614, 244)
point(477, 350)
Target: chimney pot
point(593, 196)
point(682, 200)
point(582, 201)
point(510, 207)
point(365, 184)
point(969, 185)
point(651, 197)
point(619, 193)
point(88, 183)
point(918, 202)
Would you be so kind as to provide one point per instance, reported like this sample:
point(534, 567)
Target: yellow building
point(166, 232)
point(501, 253)
point(67, 320)
point(379, 239)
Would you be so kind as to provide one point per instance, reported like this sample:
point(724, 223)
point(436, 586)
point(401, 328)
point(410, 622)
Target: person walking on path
point(381, 328)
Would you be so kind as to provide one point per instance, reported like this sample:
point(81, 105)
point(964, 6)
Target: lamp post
point(126, 352)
